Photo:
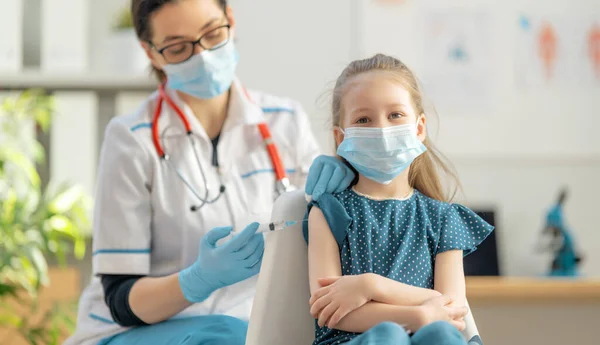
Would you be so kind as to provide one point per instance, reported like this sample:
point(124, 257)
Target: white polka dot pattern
point(397, 239)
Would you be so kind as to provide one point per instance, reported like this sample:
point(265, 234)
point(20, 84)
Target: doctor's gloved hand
point(327, 174)
point(219, 266)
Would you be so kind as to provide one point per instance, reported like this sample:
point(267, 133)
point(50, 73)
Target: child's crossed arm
point(357, 303)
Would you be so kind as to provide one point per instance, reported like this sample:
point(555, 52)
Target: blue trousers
point(200, 330)
point(389, 333)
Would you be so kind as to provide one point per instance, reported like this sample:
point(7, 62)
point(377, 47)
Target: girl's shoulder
point(335, 212)
point(456, 226)
point(429, 205)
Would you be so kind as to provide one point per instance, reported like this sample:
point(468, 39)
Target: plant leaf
point(10, 320)
point(65, 200)
point(23, 162)
point(40, 264)
point(8, 207)
point(62, 224)
point(79, 248)
point(39, 153)
point(8, 290)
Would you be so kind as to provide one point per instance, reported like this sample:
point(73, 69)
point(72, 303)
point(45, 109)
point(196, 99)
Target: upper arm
point(449, 276)
point(323, 250)
point(460, 232)
point(122, 210)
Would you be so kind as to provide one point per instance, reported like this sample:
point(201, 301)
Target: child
point(385, 256)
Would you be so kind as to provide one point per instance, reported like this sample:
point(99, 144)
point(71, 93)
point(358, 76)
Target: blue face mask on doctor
point(205, 75)
point(381, 154)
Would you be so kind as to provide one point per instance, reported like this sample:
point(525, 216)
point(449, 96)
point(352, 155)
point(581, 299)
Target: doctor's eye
point(214, 34)
point(362, 120)
point(215, 38)
point(178, 49)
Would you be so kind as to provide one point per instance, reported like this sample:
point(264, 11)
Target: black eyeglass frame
point(198, 42)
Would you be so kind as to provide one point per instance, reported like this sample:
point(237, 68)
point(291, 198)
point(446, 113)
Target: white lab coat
point(143, 224)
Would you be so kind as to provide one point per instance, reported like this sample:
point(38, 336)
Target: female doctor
point(182, 182)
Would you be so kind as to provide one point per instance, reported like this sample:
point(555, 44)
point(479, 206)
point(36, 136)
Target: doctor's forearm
point(155, 299)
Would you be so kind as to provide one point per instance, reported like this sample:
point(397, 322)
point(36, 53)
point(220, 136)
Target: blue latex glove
point(219, 266)
point(327, 174)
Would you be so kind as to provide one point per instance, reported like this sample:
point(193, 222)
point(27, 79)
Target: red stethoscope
point(282, 184)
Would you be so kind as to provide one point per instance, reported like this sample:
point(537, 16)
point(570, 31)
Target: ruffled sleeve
point(335, 214)
point(462, 229)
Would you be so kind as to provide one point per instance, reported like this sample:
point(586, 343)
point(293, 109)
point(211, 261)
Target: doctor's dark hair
point(425, 171)
point(142, 10)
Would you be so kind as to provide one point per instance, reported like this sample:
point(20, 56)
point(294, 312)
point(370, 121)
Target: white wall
point(296, 49)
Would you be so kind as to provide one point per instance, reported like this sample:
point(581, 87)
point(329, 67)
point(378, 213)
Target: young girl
point(385, 256)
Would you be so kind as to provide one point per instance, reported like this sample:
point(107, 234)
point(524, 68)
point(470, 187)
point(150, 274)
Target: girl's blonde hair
point(424, 174)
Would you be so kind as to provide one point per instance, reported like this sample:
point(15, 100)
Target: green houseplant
point(123, 20)
point(37, 223)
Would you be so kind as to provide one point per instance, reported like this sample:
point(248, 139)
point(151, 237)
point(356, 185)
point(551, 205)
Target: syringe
point(276, 226)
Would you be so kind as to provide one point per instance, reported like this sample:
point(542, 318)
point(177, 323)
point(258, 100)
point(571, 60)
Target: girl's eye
point(396, 115)
point(362, 120)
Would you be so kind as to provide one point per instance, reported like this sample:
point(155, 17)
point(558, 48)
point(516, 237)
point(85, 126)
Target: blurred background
point(513, 91)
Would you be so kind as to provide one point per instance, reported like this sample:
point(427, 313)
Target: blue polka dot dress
point(395, 238)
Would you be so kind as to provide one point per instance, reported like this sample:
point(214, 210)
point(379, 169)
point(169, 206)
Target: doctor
point(181, 183)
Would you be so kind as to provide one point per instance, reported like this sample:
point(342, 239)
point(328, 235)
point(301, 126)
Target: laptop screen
point(484, 261)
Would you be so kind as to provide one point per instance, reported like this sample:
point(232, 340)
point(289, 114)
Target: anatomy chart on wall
point(455, 58)
point(541, 57)
point(557, 51)
point(591, 52)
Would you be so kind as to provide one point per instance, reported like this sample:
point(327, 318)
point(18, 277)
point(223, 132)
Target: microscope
point(565, 258)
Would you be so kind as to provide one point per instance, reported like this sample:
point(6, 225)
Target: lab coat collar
point(242, 108)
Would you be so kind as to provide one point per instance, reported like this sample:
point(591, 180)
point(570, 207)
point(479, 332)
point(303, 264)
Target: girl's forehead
point(376, 87)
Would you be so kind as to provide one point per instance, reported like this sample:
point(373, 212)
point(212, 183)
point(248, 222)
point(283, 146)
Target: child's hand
point(441, 309)
point(338, 297)
point(454, 304)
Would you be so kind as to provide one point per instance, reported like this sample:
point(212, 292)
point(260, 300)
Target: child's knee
point(392, 331)
point(438, 333)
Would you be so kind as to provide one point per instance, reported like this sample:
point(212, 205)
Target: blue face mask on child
point(381, 154)
point(205, 75)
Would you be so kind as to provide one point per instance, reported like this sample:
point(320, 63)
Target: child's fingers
point(317, 307)
point(458, 312)
point(459, 324)
point(445, 300)
point(328, 281)
point(318, 294)
point(339, 314)
point(326, 313)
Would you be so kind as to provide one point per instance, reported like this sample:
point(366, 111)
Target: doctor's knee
point(227, 331)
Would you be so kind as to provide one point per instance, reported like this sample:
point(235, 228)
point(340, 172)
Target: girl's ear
point(422, 127)
point(338, 134)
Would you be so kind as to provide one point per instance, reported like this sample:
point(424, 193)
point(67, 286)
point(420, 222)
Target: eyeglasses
point(182, 51)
